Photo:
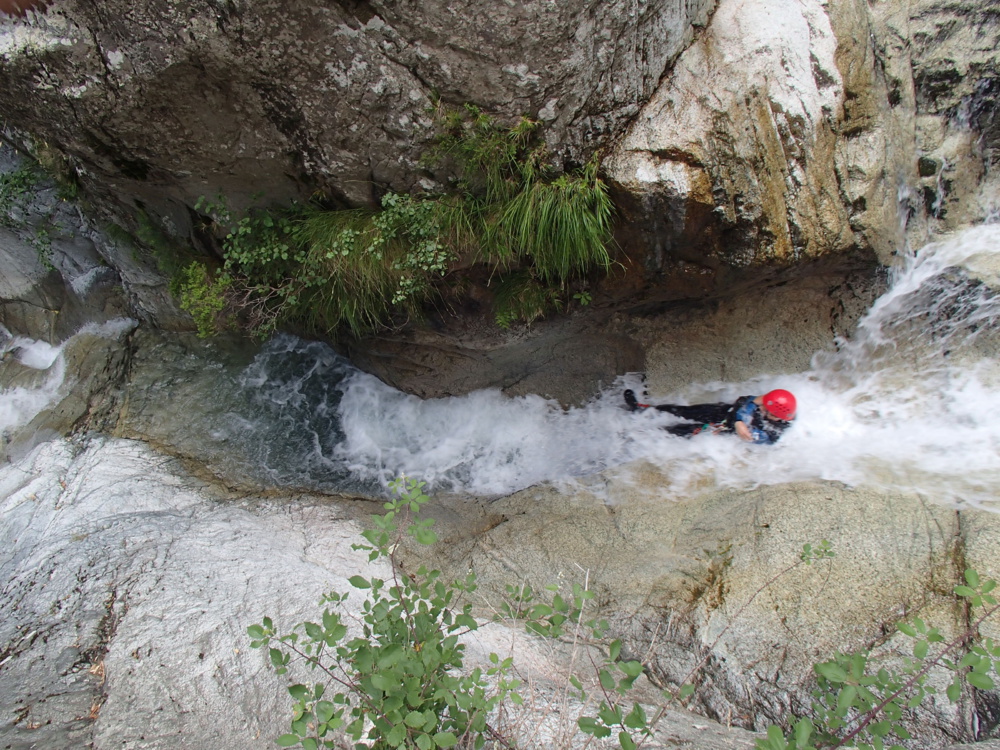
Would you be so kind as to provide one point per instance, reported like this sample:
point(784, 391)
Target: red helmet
point(780, 403)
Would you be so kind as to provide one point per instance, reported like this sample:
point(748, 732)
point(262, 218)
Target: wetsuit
point(723, 417)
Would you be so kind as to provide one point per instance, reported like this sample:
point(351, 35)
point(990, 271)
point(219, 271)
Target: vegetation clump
point(18, 188)
point(400, 680)
point(361, 269)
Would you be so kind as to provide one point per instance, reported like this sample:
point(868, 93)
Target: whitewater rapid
point(907, 403)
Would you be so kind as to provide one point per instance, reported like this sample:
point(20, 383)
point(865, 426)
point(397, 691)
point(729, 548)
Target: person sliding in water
point(759, 419)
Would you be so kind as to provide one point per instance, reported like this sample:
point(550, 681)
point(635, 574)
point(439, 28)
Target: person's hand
point(743, 431)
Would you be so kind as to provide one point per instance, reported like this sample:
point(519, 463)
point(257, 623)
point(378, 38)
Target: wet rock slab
point(128, 588)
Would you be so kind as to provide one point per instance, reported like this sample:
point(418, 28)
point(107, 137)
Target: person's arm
point(745, 418)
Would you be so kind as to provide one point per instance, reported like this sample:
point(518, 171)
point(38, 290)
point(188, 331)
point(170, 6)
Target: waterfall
point(40, 378)
point(907, 403)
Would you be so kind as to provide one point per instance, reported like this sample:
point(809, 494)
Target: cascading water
point(43, 377)
point(22, 402)
point(907, 404)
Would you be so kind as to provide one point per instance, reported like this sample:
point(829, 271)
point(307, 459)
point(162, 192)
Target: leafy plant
point(360, 269)
point(203, 297)
point(17, 188)
point(564, 226)
point(400, 683)
point(520, 296)
point(858, 703)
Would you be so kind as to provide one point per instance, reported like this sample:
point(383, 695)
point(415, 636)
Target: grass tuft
point(360, 270)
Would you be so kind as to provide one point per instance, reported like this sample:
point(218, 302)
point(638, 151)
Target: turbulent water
point(44, 378)
point(909, 403)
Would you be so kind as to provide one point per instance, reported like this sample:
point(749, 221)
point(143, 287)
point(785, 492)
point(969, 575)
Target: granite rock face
point(129, 586)
point(165, 102)
point(735, 134)
point(795, 130)
point(747, 144)
point(713, 585)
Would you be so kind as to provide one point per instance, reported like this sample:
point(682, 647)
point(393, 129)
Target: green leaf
point(954, 692)
point(298, 692)
point(610, 715)
point(626, 741)
point(614, 650)
point(396, 736)
point(636, 718)
point(330, 620)
point(607, 681)
point(445, 739)
point(831, 671)
point(424, 742)
point(964, 591)
point(324, 711)
point(846, 697)
point(969, 660)
point(631, 668)
point(287, 740)
point(776, 738)
point(920, 649)
point(803, 730)
point(390, 656)
point(359, 582)
point(424, 536)
point(255, 631)
point(972, 578)
point(383, 683)
point(587, 724)
point(980, 681)
point(414, 719)
point(858, 663)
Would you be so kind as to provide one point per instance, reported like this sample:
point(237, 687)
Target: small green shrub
point(203, 297)
point(361, 270)
point(17, 189)
point(859, 703)
point(401, 683)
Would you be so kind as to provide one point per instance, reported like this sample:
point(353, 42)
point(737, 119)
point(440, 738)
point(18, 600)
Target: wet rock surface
point(129, 588)
point(299, 96)
point(716, 578)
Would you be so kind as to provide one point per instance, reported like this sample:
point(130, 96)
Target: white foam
point(910, 403)
point(20, 404)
